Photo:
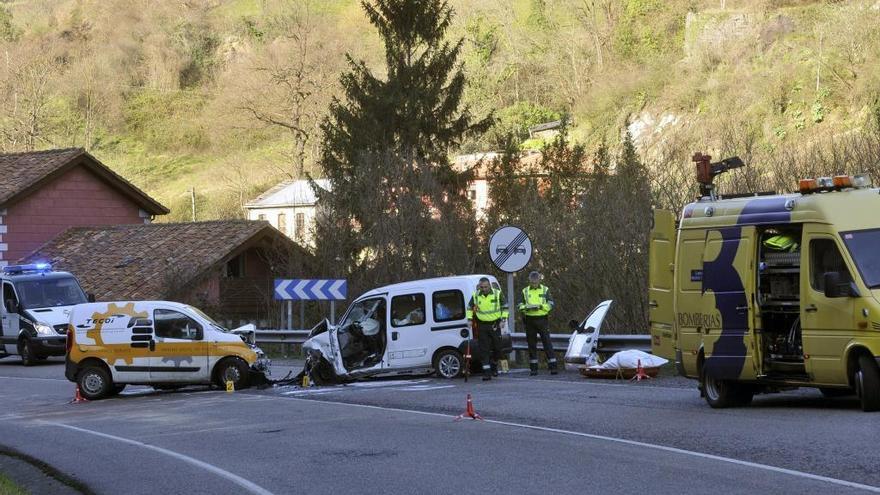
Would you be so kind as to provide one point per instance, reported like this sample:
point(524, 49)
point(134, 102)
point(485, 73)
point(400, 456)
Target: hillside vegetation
point(226, 96)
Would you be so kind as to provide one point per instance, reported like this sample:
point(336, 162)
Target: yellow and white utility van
point(761, 293)
point(158, 343)
point(406, 328)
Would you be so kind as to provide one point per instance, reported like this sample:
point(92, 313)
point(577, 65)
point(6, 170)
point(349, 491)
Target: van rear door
point(728, 281)
point(661, 253)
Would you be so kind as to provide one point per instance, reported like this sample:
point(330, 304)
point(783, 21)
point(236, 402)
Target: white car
point(407, 328)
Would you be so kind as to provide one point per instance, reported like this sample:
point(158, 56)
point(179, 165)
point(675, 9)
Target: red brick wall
point(77, 198)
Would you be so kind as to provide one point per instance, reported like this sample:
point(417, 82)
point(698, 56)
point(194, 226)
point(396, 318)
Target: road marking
point(238, 480)
point(692, 453)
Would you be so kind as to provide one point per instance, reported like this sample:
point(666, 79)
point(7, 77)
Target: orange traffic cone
point(77, 397)
point(640, 372)
point(469, 412)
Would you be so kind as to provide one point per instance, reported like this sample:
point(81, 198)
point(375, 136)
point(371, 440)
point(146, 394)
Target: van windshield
point(862, 246)
point(49, 292)
point(208, 319)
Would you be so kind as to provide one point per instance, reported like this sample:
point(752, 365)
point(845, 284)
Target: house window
point(235, 267)
point(261, 216)
point(472, 194)
point(282, 223)
point(300, 225)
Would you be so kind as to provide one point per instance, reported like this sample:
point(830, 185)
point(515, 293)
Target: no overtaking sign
point(510, 249)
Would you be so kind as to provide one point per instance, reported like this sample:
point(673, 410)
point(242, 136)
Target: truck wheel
point(26, 351)
point(867, 384)
point(94, 383)
point(234, 370)
point(830, 393)
point(449, 364)
point(725, 393)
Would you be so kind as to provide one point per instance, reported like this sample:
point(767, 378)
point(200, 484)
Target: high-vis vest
point(491, 307)
point(536, 297)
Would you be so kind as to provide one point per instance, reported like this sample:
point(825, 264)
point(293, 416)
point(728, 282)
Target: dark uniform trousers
point(489, 337)
point(538, 325)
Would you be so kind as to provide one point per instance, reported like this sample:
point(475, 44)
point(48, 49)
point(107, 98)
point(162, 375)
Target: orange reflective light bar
point(807, 185)
point(841, 181)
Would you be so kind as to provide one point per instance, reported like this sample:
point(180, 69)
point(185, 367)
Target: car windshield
point(208, 319)
point(49, 292)
point(863, 247)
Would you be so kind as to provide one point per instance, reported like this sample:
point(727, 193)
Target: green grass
point(9, 487)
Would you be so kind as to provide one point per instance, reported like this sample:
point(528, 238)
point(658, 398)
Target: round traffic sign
point(510, 249)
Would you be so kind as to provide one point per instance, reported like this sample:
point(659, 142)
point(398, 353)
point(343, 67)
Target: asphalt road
point(561, 434)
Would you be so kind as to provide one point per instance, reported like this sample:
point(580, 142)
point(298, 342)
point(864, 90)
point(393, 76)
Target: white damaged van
point(413, 327)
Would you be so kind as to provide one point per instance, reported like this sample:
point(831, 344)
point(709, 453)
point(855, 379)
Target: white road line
point(238, 480)
point(692, 453)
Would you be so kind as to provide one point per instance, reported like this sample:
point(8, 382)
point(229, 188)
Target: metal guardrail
point(607, 343)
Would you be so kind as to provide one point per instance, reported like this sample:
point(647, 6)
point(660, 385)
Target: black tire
point(26, 352)
point(866, 382)
point(322, 373)
point(115, 390)
point(449, 364)
point(720, 394)
point(94, 383)
point(831, 393)
point(234, 370)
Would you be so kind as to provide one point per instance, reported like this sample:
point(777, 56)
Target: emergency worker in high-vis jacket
point(489, 308)
point(535, 306)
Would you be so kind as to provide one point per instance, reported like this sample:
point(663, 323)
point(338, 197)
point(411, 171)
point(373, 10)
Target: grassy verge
point(9, 487)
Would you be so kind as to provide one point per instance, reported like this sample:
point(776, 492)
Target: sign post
point(510, 249)
point(309, 290)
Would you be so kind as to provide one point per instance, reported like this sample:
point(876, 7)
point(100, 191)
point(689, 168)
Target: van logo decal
point(696, 275)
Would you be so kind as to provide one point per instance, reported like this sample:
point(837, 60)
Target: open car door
point(585, 339)
point(661, 253)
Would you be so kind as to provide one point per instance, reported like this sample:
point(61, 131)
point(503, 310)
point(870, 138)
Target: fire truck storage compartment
point(779, 273)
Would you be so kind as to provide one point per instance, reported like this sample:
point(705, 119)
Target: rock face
point(723, 35)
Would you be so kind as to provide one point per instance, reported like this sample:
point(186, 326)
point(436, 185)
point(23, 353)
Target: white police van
point(406, 328)
point(35, 311)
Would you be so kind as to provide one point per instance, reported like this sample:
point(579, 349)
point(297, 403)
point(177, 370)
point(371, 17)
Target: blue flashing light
point(34, 267)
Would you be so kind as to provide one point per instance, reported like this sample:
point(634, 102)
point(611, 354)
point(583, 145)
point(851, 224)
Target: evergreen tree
point(397, 206)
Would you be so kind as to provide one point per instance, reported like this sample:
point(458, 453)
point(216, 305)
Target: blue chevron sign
point(310, 290)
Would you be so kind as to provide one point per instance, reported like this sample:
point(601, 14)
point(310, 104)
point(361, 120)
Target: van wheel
point(234, 370)
point(867, 384)
point(830, 393)
point(449, 364)
point(725, 393)
point(94, 383)
point(26, 351)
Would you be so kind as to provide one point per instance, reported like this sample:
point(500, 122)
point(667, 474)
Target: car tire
point(449, 364)
point(720, 394)
point(26, 351)
point(866, 382)
point(94, 383)
point(234, 370)
point(831, 393)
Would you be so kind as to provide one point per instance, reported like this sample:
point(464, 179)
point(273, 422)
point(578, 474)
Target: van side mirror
point(11, 306)
point(573, 324)
point(200, 334)
point(90, 297)
point(835, 287)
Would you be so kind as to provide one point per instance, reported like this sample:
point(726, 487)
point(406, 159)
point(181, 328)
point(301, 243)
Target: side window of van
point(407, 310)
point(8, 294)
point(448, 305)
point(825, 257)
point(175, 325)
